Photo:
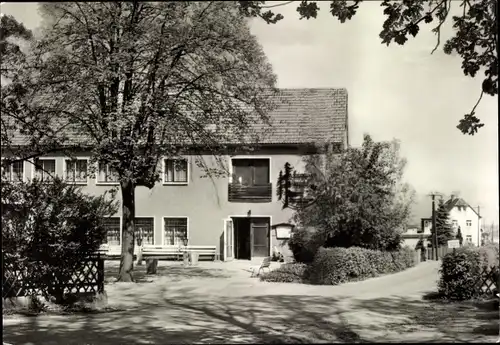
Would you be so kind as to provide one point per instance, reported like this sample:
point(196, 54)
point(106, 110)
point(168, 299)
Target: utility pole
point(478, 226)
point(433, 196)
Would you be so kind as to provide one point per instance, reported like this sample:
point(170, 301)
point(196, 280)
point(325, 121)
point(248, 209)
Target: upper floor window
point(468, 222)
point(176, 171)
point(468, 238)
point(76, 170)
point(454, 222)
point(106, 174)
point(250, 172)
point(45, 169)
point(13, 172)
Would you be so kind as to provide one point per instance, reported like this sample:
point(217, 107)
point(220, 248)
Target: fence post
point(100, 274)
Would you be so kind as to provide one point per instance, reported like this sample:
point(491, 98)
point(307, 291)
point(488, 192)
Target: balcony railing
point(256, 193)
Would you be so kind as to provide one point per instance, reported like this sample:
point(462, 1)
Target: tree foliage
point(459, 236)
point(48, 228)
point(138, 81)
point(359, 198)
point(443, 225)
point(475, 38)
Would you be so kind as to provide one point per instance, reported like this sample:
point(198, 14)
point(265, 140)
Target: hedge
point(461, 271)
point(287, 273)
point(332, 266)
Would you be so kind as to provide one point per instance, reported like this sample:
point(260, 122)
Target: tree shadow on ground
point(171, 271)
point(182, 316)
point(466, 321)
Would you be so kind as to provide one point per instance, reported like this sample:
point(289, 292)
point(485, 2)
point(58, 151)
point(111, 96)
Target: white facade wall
point(469, 223)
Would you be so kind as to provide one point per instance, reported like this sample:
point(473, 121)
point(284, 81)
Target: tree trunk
point(128, 233)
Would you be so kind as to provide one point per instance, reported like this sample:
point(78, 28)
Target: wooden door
point(260, 237)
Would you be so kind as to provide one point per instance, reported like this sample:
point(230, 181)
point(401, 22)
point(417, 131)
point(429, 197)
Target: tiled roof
point(458, 202)
point(300, 116)
point(309, 116)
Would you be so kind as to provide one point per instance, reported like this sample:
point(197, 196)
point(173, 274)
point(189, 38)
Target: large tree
point(357, 198)
point(443, 225)
point(475, 39)
point(138, 81)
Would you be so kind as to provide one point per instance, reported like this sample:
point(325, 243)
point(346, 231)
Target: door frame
point(252, 216)
point(224, 251)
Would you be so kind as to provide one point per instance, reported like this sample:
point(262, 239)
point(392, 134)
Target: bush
point(304, 244)
point(333, 266)
point(287, 273)
point(48, 228)
point(460, 271)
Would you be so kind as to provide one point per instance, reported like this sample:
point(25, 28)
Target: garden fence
point(488, 282)
point(87, 278)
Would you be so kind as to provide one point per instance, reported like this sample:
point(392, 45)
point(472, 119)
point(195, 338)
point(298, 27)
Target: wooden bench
point(266, 263)
point(169, 252)
point(154, 253)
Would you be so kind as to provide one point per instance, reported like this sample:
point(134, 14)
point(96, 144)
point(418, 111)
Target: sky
point(400, 92)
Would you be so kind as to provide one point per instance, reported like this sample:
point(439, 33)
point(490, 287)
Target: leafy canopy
point(360, 199)
point(475, 39)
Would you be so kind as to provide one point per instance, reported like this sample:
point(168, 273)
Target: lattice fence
point(88, 278)
point(488, 283)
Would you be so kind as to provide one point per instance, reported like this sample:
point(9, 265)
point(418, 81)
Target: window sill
point(175, 183)
point(77, 183)
point(107, 183)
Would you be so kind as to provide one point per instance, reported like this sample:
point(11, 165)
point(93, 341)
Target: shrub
point(287, 273)
point(304, 244)
point(334, 266)
point(489, 255)
point(460, 271)
point(48, 228)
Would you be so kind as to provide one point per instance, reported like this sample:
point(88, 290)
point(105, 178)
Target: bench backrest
point(266, 262)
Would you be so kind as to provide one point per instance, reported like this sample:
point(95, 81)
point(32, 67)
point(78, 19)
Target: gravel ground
point(220, 303)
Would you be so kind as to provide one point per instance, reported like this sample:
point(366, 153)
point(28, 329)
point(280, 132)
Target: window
point(145, 229)
point(45, 169)
point(13, 172)
point(106, 174)
point(468, 238)
point(176, 171)
point(468, 222)
point(175, 231)
point(112, 226)
point(251, 172)
point(454, 222)
point(76, 170)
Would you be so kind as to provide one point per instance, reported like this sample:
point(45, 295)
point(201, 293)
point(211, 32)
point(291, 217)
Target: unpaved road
point(220, 303)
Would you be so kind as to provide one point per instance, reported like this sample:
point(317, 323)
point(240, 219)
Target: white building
point(464, 216)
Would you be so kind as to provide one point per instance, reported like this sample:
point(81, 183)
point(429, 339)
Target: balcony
point(256, 193)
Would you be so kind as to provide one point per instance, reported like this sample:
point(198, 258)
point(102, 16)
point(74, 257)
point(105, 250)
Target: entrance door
point(242, 242)
point(228, 240)
point(260, 237)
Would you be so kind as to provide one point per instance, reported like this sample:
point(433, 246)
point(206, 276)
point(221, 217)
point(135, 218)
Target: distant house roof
point(459, 203)
point(300, 116)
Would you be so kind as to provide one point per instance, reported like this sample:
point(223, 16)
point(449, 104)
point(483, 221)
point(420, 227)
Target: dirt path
point(221, 304)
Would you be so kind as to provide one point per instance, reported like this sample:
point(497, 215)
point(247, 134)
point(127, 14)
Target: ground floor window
point(468, 238)
point(112, 226)
point(175, 231)
point(145, 229)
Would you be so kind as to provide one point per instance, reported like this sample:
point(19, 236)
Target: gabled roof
point(301, 116)
point(309, 116)
point(459, 203)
